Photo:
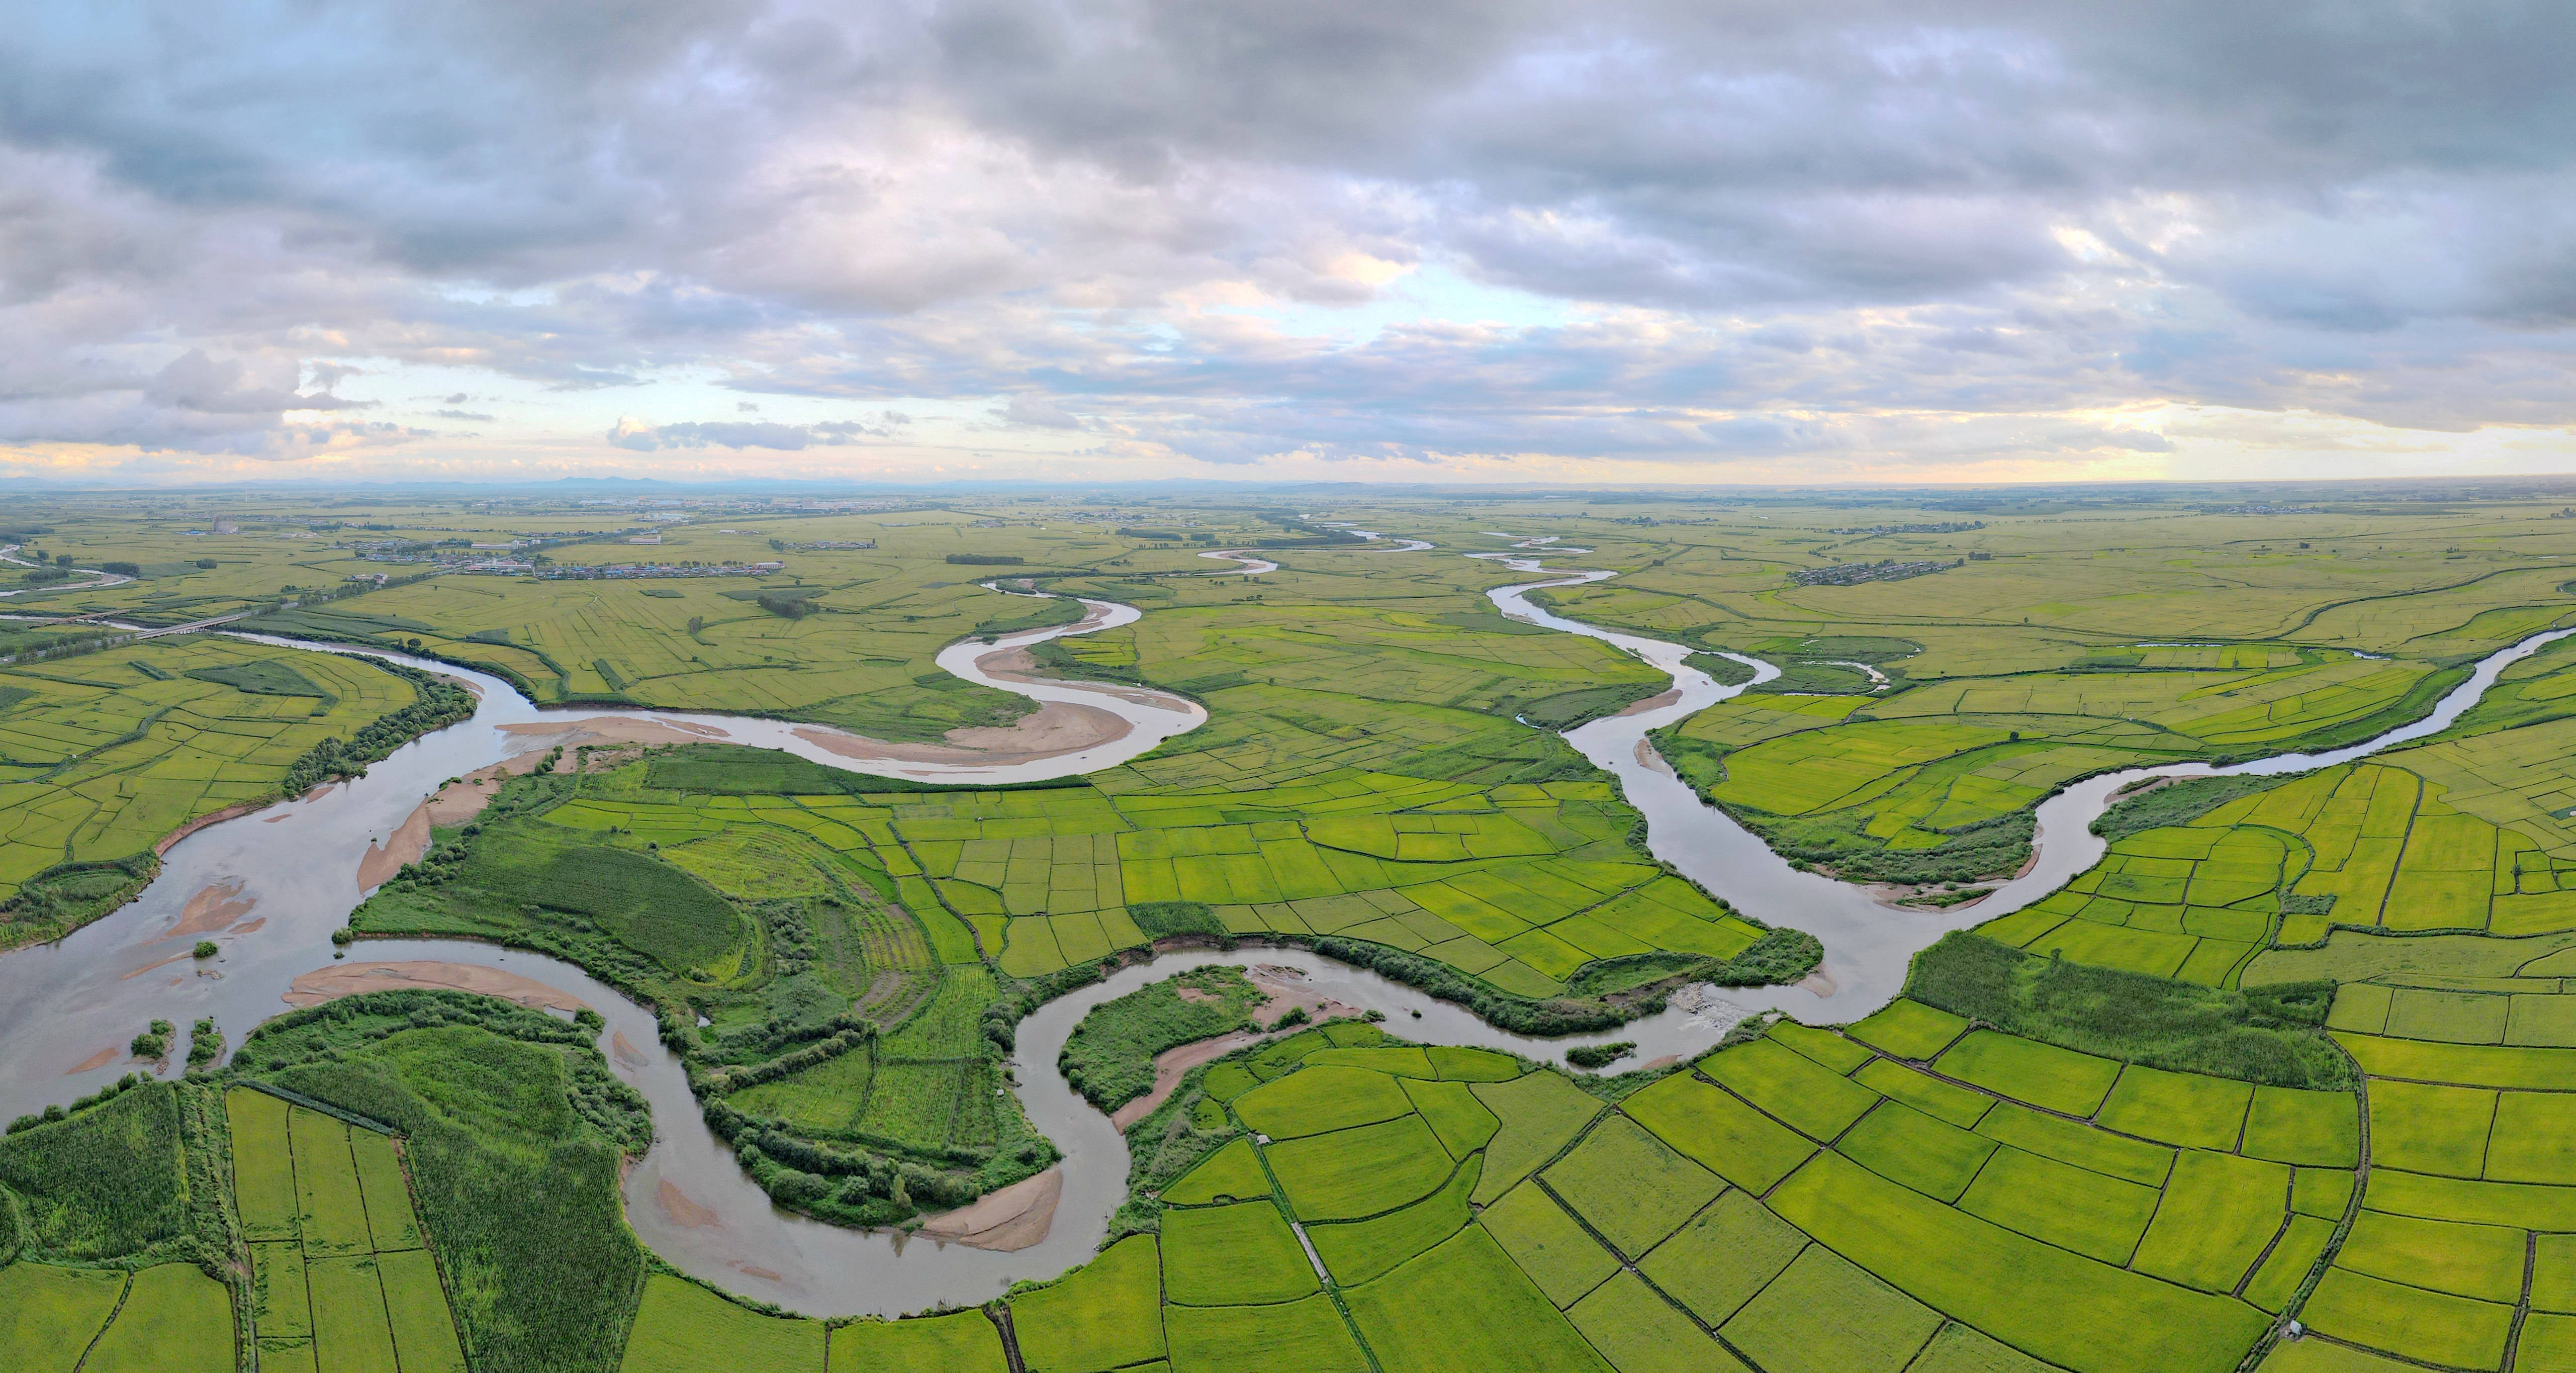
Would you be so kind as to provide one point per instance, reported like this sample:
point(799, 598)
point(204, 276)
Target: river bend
point(283, 878)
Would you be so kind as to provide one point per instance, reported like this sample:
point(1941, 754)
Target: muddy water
point(1868, 943)
point(283, 878)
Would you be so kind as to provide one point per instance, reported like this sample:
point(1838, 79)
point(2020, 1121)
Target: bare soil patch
point(1654, 702)
point(1171, 1065)
point(339, 980)
point(216, 905)
point(683, 1211)
point(1054, 729)
point(1288, 987)
point(1013, 1218)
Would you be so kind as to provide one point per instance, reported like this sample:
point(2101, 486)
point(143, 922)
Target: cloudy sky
point(1480, 240)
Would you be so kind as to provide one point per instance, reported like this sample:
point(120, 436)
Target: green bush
point(1109, 1057)
point(2175, 803)
point(1161, 919)
point(2268, 1035)
point(104, 1182)
point(1599, 1055)
point(513, 1129)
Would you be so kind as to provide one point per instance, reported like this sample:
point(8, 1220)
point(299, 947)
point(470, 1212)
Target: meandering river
point(270, 887)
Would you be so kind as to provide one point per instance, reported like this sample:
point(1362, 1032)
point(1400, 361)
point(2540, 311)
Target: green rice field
point(341, 1277)
point(102, 756)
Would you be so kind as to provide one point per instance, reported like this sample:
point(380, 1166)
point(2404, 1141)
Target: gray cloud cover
point(1854, 228)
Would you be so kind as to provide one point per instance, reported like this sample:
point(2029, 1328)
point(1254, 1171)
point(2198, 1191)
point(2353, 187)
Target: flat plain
point(2121, 1129)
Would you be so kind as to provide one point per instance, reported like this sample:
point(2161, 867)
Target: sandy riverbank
point(1013, 1218)
point(349, 979)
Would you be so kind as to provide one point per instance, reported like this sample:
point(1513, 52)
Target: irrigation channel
point(270, 886)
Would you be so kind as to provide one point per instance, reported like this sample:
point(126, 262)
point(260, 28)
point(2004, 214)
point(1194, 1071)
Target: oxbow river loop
point(287, 875)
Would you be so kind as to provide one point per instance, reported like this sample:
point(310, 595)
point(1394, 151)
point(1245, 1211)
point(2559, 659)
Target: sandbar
point(216, 905)
point(677, 1205)
point(1013, 1218)
point(1054, 729)
point(1654, 702)
point(349, 979)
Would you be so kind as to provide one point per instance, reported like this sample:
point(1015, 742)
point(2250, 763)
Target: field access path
point(1868, 943)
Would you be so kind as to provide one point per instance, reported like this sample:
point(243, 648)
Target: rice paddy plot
point(1107, 1314)
point(1465, 1307)
point(1358, 1251)
point(1304, 1336)
point(174, 1319)
point(342, 1279)
point(1630, 1186)
point(961, 1342)
point(49, 1315)
point(1236, 1255)
point(684, 1328)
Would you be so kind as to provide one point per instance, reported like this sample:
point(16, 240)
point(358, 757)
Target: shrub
point(1109, 1057)
point(154, 1042)
point(206, 948)
point(2264, 1034)
point(1599, 1055)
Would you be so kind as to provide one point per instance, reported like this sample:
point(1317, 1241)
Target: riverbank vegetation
point(104, 756)
point(844, 949)
point(2120, 1130)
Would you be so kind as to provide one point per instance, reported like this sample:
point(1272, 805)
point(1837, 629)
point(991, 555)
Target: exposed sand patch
point(683, 1211)
point(1052, 730)
point(94, 1062)
point(627, 1055)
point(215, 905)
point(1820, 982)
point(462, 799)
point(1288, 988)
point(349, 979)
point(1016, 665)
point(1654, 702)
point(407, 843)
point(1171, 1065)
point(1013, 1218)
point(1647, 756)
point(451, 805)
point(248, 926)
point(148, 967)
point(1652, 1064)
point(611, 729)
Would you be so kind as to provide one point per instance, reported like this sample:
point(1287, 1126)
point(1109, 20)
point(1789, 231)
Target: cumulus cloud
point(1761, 230)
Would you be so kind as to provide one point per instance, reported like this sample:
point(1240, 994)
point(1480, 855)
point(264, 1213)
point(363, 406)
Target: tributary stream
point(270, 886)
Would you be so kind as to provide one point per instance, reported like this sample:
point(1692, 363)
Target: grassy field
point(512, 1131)
point(339, 1272)
point(2102, 1136)
point(845, 942)
point(103, 755)
point(1687, 1226)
